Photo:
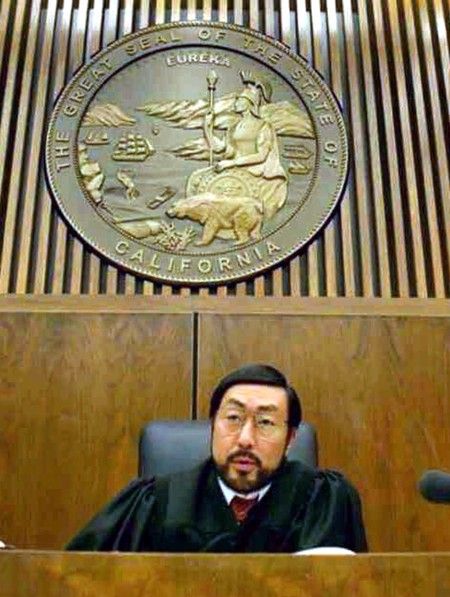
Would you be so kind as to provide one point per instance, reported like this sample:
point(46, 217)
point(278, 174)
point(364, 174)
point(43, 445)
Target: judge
point(247, 497)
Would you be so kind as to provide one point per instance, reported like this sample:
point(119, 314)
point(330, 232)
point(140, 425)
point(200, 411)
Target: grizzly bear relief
point(238, 218)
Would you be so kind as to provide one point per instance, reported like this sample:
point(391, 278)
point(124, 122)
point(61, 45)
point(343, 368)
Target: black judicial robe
point(187, 512)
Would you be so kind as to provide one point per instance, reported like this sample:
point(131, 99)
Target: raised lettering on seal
point(331, 147)
point(122, 247)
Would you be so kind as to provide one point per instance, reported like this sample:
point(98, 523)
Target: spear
point(212, 79)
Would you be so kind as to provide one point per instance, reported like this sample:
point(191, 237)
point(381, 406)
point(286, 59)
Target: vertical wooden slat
point(238, 12)
point(304, 30)
point(269, 29)
point(294, 277)
point(128, 12)
point(43, 232)
point(221, 291)
point(160, 10)
point(443, 45)
point(5, 11)
point(254, 24)
point(12, 212)
point(175, 10)
point(269, 23)
point(130, 280)
point(259, 286)
point(110, 29)
point(223, 11)
point(358, 152)
point(222, 17)
point(268, 26)
point(148, 287)
point(95, 26)
point(130, 284)
point(144, 14)
point(61, 229)
point(301, 21)
point(77, 248)
point(336, 84)
point(207, 10)
point(375, 167)
point(241, 289)
point(285, 17)
point(299, 264)
point(286, 37)
point(191, 10)
point(330, 234)
point(8, 92)
point(313, 250)
point(392, 147)
point(424, 144)
point(254, 14)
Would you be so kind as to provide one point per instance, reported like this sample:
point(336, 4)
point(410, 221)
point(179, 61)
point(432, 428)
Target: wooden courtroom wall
point(76, 386)
point(75, 389)
point(386, 60)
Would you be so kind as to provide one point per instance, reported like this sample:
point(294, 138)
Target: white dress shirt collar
point(229, 493)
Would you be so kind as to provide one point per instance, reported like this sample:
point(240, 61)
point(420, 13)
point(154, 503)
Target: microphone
point(435, 486)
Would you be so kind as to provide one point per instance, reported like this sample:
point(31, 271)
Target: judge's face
point(250, 435)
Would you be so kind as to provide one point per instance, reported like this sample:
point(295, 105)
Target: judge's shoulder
point(325, 481)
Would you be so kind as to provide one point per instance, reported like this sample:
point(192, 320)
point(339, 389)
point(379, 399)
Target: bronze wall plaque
point(197, 153)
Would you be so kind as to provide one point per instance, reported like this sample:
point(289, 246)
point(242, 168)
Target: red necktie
point(241, 507)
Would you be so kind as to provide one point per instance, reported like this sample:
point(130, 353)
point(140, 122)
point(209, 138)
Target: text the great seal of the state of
point(197, 153)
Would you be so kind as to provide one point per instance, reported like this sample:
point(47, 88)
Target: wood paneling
point(114, 575)
point(75, 390)
point(387, 62)
point(80, 375)
point(376, 388)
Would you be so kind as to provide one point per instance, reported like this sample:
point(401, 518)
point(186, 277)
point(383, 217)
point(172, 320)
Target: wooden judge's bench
point(55, 574)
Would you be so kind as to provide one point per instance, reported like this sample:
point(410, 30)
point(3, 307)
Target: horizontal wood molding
point(206, 304)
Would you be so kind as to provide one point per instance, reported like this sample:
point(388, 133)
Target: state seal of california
point(197, 153)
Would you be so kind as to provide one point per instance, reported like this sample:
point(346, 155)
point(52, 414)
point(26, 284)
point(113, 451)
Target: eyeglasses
point(265, 425)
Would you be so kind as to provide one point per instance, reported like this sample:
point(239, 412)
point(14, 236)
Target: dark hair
point(264, 375)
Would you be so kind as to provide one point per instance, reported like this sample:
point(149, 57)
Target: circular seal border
point(213, 279)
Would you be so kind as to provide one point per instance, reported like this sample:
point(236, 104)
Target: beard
point(245, 481)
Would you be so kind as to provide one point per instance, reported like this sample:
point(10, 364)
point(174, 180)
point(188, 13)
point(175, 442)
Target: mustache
point(244, 454)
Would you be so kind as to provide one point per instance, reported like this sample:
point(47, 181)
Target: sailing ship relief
point(132, 147)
